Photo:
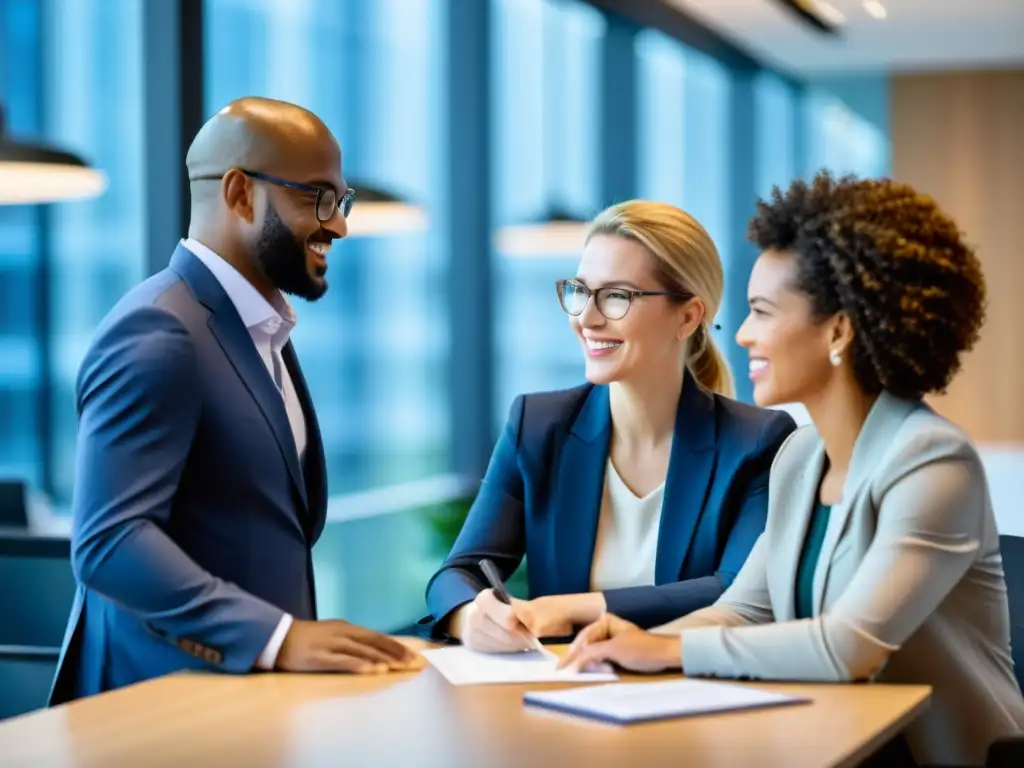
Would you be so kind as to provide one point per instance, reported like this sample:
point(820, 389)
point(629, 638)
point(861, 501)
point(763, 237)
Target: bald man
point(200, 482)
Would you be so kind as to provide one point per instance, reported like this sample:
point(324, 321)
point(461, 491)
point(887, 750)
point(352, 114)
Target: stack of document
point(620, 703)
point(462, 666)
point(642, 702)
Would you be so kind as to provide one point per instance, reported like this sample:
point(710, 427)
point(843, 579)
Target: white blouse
point(627, 535)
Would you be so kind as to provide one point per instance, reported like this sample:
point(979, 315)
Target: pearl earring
point(835, 358)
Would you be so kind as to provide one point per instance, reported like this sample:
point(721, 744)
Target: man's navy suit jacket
point(541, 498)
point(193, 516)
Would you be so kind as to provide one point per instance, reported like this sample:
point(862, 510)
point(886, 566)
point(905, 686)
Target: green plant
point(446, 521)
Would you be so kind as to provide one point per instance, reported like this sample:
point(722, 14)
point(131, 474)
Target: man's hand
point(611, 640)
point(337, 646)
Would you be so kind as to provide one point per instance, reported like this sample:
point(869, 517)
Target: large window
point(684, 133)
point(707, 141)
point(374, 349)
point(661, 125)
point(545, 86)
point(63, 267)
point(21, 444)
point(94, 106)
point(842, 140)
point(775, 113)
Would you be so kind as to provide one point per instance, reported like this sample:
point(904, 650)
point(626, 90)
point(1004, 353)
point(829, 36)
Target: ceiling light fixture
point(821, 15)
point(31, 174)
point(875, 9)
point(378, 212)
point(556, 234)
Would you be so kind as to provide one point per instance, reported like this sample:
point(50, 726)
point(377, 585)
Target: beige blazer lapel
point(872, 445)
point(798, 503)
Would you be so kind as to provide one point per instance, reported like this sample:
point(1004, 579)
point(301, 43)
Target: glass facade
point(841, 140)
point(374, 348)
point(775, 102)
point(377, 348)
point(22, 276)
point(545, 103)
point(93, 88)
point(662, 118)
point(683, 136)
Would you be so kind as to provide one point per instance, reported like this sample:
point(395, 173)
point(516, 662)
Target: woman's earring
point(835, 358)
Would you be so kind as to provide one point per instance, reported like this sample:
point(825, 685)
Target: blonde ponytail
point(708, 364)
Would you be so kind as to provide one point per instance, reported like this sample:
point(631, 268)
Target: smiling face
point(295, 262)
point(276, 209)
point(292, 245)
point(788, 347)
point(649, 340)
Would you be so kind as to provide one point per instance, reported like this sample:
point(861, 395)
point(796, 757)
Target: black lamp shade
point(379, 212)
point(556, 234)
point(34, 173)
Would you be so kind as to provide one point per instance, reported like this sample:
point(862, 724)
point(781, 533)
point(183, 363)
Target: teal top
point(809, 560)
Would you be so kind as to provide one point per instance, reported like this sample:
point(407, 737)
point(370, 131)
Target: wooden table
point(420, 720)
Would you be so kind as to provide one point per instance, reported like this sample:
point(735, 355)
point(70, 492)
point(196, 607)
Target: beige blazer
point(909, 587)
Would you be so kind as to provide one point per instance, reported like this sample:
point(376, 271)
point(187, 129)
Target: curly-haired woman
point(880, 559)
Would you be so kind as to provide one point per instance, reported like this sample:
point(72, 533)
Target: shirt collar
point(254, 310)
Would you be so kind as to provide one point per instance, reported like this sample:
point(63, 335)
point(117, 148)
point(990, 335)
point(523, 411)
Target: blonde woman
point(640, 492)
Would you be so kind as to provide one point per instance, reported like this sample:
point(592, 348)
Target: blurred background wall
point(958, 135)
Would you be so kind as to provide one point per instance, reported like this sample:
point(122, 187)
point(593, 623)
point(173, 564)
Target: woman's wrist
point(587, 607)
point(674, 653)
point(457, 620)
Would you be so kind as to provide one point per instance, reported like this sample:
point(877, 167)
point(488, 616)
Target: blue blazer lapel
point(576, 502)
point(690, 470)
point(237, 344)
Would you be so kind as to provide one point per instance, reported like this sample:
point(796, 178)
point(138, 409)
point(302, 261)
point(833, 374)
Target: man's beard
point(282, 256)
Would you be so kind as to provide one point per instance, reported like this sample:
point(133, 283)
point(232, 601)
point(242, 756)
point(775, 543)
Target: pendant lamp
point(555, 234)
point(34, 173)
point(378, 212)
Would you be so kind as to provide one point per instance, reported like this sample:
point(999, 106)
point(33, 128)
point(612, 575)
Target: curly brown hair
point(894, 263)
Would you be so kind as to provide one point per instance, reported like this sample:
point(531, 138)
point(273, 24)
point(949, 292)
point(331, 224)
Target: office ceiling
point(915, 35)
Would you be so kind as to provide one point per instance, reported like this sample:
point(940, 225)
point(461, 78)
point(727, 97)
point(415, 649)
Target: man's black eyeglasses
point(327, 201)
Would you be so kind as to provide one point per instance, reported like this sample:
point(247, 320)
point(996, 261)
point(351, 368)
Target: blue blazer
point(193, 520)
point(542, 494)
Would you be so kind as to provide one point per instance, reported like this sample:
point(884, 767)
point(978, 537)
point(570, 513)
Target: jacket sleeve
point(138, 414)
point(931, 522)
point(495, 528)
point(654, 605)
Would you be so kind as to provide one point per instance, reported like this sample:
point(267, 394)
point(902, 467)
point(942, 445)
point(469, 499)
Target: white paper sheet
point(639, 702)
point(465, 667)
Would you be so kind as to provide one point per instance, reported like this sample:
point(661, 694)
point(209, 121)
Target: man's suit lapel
point(690, 470)
point(576, 503)
point(234, 339)
point(315, 464)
